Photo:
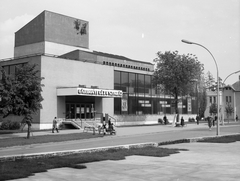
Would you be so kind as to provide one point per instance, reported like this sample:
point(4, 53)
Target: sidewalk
point(121, 131)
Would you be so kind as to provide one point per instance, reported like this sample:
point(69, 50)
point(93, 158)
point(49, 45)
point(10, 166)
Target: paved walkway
point(121, 131)
point(202, 161)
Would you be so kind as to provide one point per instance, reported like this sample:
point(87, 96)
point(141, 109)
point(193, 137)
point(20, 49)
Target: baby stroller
point(110, 128)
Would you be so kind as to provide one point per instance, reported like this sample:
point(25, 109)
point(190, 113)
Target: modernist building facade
point(79, 82)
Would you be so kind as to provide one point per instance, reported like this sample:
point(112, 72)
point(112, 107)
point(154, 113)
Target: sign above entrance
point(81, 91)
point(99, 92)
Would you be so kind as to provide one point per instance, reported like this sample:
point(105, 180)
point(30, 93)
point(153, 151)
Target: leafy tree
point(176, 73)
point(21, 93)
point(209, 80)
point(202, 102)
point(213, 109)
point(229, 110)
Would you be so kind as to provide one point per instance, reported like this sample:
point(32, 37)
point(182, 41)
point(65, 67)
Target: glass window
point(140, 102)
point(117, 80)
point(117, 106)
point(7, 69)
point(124, 81)
point(226, 98)
point(147, 86)
point(132, 105)
point(132, 83)
point(140, 85)
point(210, 99)
point(147, 108)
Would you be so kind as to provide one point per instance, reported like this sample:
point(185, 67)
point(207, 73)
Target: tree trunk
point(176, 104)
point(28, 132)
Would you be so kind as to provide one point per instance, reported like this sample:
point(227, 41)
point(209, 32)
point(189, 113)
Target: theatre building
point(80, 83)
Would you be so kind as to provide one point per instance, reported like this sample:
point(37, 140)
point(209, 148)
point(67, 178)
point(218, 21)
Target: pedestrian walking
point(197, 118)
point(209, 122)
point(182, 121)
point(236, 117)
point(214, 120)
point(54, 125)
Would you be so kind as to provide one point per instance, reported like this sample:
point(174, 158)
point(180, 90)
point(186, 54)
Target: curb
point(98, 149)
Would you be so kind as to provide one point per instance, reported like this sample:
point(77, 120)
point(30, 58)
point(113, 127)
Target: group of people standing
point(211, 121)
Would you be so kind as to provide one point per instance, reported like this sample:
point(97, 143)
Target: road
point(130, 135)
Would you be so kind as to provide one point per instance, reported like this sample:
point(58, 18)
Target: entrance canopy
point(74, 91)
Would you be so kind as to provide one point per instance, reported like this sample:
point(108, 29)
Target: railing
point(72, 121)
point(115, 120)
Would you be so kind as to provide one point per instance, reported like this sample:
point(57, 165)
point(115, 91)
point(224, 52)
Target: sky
point(138, 29)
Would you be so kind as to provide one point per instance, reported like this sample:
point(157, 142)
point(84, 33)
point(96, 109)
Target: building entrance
point(80, 107)
point(79, 111)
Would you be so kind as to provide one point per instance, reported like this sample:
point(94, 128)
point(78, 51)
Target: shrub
point(14, 125)
point(10, 125)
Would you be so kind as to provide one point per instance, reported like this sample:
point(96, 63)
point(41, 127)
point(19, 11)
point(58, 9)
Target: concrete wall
point(32, 32)
point(44, 47)
point(61, 29)
point(29, 49)
point(59, 72)
point(53, 27)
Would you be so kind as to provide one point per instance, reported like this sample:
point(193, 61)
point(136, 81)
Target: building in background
point(229, 96)
point(80, 83)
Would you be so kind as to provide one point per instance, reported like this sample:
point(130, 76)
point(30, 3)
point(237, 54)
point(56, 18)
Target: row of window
point(212, 99)
point(125, 66)
point(228, 99)
point(140, 97)
point(11, 69)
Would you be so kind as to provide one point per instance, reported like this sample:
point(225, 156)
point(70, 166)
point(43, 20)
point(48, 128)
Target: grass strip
point(17, 141)
point(221, 139)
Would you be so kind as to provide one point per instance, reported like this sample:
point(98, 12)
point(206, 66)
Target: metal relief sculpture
point(80, 27)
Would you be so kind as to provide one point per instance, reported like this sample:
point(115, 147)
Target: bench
point(89, 128)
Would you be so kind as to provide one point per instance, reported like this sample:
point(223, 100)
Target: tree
point(209, 81)
point(213, 109)
point(202, 102)
point(176, 73)
point(229, 110)
point(21, 92)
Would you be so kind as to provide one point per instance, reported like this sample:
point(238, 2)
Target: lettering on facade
point(100, 92)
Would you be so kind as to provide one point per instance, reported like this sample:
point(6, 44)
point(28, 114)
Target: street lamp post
point(230, 75)
point(189, 42)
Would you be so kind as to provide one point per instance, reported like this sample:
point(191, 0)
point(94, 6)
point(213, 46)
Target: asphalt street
point(125, 136)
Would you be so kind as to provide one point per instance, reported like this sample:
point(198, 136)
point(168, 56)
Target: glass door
point(78, 114)
point(83, 111)
point(79, 111)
